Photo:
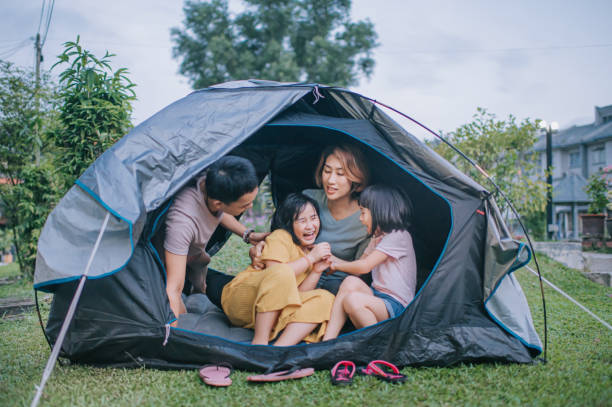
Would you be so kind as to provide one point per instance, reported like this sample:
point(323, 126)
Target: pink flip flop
point(383, 370)
point(342, 373)
point(216, 375)
point(281, 375)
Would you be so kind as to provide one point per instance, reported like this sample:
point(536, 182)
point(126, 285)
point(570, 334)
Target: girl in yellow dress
point(282, 297)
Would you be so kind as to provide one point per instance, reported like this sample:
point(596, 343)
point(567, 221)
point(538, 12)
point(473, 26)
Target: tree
point(283, 40)
point(28, 193)
point(598, 189)
point(94, 111)
point(31, 200)
point(504, 149)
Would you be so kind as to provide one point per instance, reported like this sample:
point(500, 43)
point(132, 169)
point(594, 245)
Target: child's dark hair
point(229, 178)
point(390, 208)
point(288, 212)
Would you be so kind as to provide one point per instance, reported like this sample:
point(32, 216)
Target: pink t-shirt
point(397, 275)
point(189, 226)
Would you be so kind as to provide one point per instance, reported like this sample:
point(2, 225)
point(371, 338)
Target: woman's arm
point(362, 266)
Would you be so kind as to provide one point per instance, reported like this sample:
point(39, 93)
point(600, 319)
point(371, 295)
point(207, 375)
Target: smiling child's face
point(306, 225)
point(365, 217)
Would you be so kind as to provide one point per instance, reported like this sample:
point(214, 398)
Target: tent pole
point(497, 188)
point(68, 319)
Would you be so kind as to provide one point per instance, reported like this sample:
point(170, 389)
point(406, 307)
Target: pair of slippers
point(342, 373)
point(219, 375)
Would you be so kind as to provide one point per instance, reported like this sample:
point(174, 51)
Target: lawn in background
point(578, 371)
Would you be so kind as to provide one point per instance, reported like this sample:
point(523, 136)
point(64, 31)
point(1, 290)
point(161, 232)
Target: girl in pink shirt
point(386, 213)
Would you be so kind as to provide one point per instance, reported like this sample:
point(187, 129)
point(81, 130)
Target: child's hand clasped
point(334, 264)
point(321, 266)
point(320, 251)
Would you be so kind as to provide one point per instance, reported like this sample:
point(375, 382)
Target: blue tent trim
point(153, 228)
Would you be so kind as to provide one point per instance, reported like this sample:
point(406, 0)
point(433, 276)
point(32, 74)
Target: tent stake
point(68, 319)
point(560, 291)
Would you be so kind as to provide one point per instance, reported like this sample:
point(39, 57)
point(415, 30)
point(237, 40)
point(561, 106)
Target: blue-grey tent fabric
point(466, 256)
point(144, 168)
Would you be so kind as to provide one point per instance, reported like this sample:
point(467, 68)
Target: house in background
point(578, 152)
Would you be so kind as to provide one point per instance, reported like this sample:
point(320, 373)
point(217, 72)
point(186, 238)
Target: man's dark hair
point(229, 178)
point(390, 208)
point(288, 212)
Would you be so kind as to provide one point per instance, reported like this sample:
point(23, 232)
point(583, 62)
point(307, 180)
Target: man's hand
point(256, 237)
point(255, 255)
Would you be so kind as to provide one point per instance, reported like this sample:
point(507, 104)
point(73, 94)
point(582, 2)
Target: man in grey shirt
point(227, 190)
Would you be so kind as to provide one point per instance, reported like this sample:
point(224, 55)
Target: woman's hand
point(320, 251)
point(255, 255)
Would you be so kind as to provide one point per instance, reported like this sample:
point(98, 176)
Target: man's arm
point(231, 223)
point(175, 280)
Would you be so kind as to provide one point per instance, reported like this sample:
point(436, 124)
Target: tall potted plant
point(597, 190)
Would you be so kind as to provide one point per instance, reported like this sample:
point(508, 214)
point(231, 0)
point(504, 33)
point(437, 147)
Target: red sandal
point(340, 373)
point(383, 370)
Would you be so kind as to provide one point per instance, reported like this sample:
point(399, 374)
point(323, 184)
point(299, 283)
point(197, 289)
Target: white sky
point(437, 60)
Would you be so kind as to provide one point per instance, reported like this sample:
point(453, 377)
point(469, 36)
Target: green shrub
point(32, 199)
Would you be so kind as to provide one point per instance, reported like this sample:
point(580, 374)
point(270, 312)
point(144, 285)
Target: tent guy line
point(560, 291)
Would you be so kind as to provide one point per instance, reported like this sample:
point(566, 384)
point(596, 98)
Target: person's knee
point(351, 283)
point(353, 303)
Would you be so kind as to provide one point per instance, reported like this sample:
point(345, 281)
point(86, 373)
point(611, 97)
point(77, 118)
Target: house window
point(574, 159)
point(599, 155)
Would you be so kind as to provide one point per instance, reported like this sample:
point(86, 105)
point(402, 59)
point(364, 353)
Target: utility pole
point(549, 181)
point(551, 227)
point(39, 58)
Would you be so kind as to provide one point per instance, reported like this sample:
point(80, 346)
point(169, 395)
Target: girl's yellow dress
point(276, 288)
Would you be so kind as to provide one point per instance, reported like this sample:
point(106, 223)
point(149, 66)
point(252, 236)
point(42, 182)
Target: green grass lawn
point(20, 288)
point(578, 372)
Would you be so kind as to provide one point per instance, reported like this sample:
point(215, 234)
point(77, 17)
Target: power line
point(42, 11)
point(494, 50)
point(12, 51)
point(48, 21)
point(13, 42)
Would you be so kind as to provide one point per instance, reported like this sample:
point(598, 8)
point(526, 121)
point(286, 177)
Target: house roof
point(603, 114)
point(570, 189)
point(576, 135)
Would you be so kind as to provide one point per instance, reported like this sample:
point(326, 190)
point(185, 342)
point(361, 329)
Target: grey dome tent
point(469, 307)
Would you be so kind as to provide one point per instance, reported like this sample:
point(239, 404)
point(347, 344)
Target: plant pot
point(593, 224)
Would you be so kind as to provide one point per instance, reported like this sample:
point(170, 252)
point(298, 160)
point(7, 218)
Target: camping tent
point(469, 307)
